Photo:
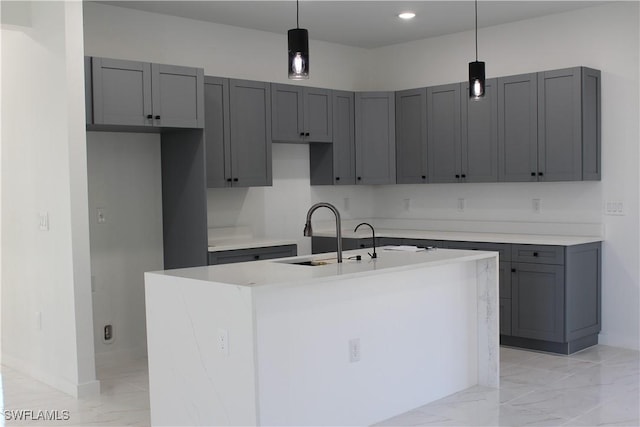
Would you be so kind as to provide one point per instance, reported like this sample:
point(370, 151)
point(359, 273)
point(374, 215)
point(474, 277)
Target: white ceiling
point(366, 24)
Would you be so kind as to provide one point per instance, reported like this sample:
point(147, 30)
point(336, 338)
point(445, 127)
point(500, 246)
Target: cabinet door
point(250, 133)
point(318, 117)
point(590, 124)
point(537, 292)
point(518, 128)
point(344, 146)
point(375, 138)
point(411, 136)
point(443, 134)
point(480, 135)
point(505, 316)
point(216, 132)
point(178, 96)
point(251, 254)
point(287, 109)
point(121, 92)
point(560, 125)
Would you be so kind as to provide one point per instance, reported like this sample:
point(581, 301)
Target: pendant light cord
point(476, 30)
point(298, 23)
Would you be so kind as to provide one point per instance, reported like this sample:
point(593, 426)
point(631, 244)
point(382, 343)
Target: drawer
point(422, 243)
point(503, 248)
point(539, 254)
point(252, 254)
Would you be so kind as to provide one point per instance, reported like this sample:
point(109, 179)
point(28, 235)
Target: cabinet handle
point(513, 270)
point(149, 116)
point(301, 133)
point(307, 134)
point(359, 178)
point(424, 177)
point(361, 245)
point(463, 175)
point(533, 174)
point(228, 179)
point(157, 117)
point(256, 257)
point(235, 179)
point(337, 178)
point(457, 176)
point(540, 174)
point(535, 254)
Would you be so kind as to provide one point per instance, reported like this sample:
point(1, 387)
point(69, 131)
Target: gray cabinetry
point(568, 143)
point(237, 133)
point(335, 163)
point(131, 93)
point(443, 134)
point(375, 138)
point(301, 114)
point(479, 138)
point(251, 254)
point(518, 128)
point(411, 136)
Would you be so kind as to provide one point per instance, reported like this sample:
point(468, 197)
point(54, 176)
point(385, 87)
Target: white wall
point(46, 301)
point(603, 37)
point(129, 242)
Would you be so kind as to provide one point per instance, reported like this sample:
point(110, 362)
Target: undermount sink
point(315, 262)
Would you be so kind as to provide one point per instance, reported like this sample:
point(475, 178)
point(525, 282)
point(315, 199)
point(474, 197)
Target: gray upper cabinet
point(411, 136)
point(237, 133)
point(375, 138)
point(562, 131)
point(480, 135)
point(132, 93)
point(518, 128)
point(334, 164)
point(301, 114)
point(443, 134)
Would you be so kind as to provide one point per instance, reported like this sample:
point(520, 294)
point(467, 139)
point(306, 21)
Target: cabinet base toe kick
point(552, 347)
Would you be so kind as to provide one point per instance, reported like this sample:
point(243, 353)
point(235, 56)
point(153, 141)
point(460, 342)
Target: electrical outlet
point(107, 333)
point(354, 350)
point(461, 204)
point(44, 221)
point(38, 320)
point(536, 205)
point(407, 204)
point(614, 208)
point(223, 341)
point(101, 215)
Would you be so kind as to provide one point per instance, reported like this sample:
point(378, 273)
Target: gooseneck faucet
point(374, 255)
point(308, 231)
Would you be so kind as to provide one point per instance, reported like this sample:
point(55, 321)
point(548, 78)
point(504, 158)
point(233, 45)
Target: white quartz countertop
point(525, 239)
point(232, 244)
point(282, 271)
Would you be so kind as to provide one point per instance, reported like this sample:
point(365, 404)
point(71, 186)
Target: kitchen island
point(279, 343)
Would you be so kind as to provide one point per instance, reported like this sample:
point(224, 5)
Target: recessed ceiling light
point(407, 15)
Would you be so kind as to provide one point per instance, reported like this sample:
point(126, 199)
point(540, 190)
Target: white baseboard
point(121, 356)
point(618, 341)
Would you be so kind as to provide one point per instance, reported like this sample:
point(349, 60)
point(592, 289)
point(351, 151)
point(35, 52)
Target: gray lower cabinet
point(443, 133)
point(252, 254)
point(411, 136)
point(375, 138)
point(237, 133)
point(301, 114)
point(334, 164)
point(322, 244)
point(549, 126)
point(132, 93)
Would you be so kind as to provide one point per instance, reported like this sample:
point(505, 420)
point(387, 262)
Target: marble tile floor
point(597, 386)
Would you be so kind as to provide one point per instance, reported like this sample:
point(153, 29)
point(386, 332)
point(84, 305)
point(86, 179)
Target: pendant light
point(476, 70)
point(298, 51)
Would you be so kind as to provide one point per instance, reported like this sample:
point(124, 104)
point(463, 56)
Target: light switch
point(44, 221)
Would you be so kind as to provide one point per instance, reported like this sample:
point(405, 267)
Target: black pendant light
point(476, 70)
point(298, 51)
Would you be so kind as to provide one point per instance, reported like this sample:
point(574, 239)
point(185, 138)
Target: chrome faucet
point(374, 255)
point(308, 231)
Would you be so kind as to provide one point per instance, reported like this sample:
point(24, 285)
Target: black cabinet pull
point(463, 175)
point(301, 133)
point(306, 134)
point(337, 178)
point(359, 178)
point(256, 257)
point(235, 179)
point(533, 174)
point(149, 116)
point(157, 117)
point(535, 254)
point(513, 270)
point(361, 245)
point(457, 176)
point(540, 174)
point(228, 179)
point(424, 177)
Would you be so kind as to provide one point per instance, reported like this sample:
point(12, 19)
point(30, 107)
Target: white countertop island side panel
point(427, 324)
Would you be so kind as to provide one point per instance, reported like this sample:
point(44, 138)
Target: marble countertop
point(525, 239)
point(283, 271)
point(232, 244)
